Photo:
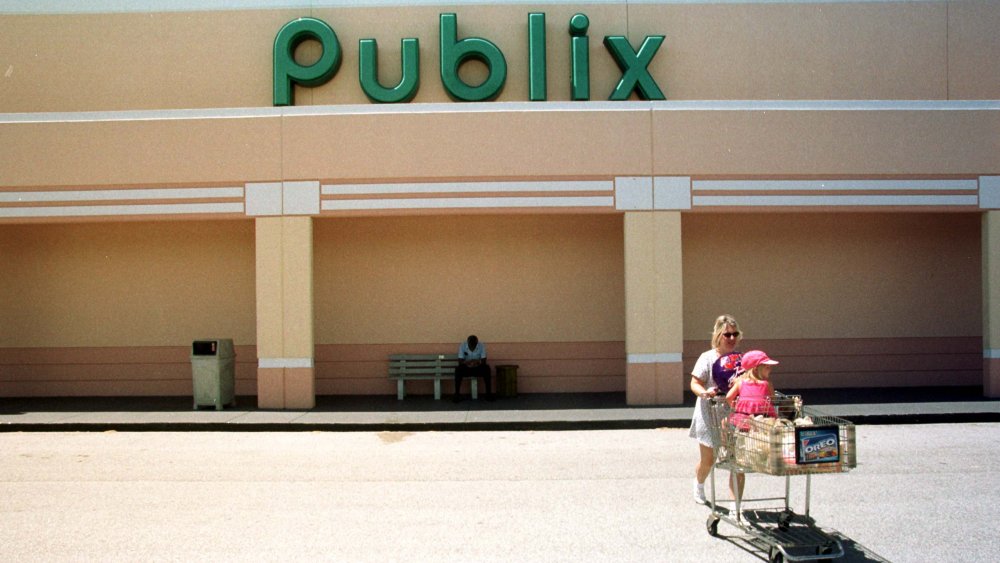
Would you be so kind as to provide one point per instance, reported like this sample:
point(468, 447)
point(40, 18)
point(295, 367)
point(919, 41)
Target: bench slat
point(394, 357)
point(424, 366)
point(426, 372)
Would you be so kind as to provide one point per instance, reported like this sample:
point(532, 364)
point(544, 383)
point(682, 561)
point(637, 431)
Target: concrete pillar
point(285, 340)
point(991, 303)
point(653, 308)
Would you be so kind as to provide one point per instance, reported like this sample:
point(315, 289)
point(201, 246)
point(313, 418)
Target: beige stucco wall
point(594, 141)
point(126, 284)
point(547, 291)
point(523, 278)
point(824, 143)
point(140, 151)
point(549, 288)
point(906, 50)
point(833, 276)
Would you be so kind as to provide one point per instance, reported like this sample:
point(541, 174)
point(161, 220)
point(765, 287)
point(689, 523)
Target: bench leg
point(400, 389)
point(437, 389)
point(475, 388)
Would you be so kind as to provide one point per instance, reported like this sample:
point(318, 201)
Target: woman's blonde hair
point(721, 324)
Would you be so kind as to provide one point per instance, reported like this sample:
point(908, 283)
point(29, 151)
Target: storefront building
point(585, 186)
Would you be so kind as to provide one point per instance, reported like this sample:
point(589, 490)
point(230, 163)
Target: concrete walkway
point(524, 412)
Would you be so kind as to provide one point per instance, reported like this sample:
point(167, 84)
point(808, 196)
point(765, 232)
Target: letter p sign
point(287, 72)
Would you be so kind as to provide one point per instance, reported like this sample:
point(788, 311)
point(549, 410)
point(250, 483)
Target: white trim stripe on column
point(271, 363)
point(989, 192)
point(282, 198)
point(645, 193)
point(664, 358)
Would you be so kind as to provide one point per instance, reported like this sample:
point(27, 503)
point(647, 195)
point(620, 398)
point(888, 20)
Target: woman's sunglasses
point(731, 334)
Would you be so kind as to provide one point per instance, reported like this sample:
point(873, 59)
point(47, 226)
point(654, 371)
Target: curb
point(480, 426)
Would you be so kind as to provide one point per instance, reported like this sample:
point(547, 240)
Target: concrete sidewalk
point(587, 411)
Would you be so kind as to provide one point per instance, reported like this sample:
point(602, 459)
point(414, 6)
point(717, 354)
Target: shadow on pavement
point(810, 534)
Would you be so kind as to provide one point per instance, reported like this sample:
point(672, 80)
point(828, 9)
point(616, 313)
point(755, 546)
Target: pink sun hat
point(754, 358)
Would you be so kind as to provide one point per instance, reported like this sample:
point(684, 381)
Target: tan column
point(991, 303)
point(653, 308)
point(285, 372)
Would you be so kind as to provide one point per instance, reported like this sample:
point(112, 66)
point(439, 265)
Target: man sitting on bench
point(472, 363)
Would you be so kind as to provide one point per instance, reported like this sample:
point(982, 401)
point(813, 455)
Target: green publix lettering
point(454, 52)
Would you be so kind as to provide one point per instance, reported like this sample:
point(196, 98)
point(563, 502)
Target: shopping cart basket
point(799, 441)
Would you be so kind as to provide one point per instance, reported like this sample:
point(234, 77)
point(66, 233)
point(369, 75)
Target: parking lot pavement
point(610, 495)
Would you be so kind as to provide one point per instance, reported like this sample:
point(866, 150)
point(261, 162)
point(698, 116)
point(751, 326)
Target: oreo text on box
point(817, 444)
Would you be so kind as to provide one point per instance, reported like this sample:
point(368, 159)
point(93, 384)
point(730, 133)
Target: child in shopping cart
point(752, 393)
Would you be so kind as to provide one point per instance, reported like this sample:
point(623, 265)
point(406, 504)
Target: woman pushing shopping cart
point(757, 430)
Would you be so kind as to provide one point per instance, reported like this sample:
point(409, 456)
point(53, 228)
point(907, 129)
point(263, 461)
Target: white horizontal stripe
point(826, 105)
point(285, 362)
point(105, 195)
point(121, 210)
point(665, 358)
point(466, 187)
point(313, 111)
point(140, 115)
point(508, 107)
point(991, 354)
point(845, 185)
point(834, 200)
point(458, 203)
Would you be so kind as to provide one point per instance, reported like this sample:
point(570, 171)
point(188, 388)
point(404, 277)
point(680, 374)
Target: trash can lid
point(222, 347)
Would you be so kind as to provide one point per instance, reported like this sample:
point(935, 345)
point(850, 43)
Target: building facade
point(585, 186)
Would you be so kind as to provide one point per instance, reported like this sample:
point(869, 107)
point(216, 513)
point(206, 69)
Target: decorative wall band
point(495, 107)
point(833, 185)
point(465, 203)
point(120, 202)
point(836, 201)
point(467, 195)
point(119, 195)
point(271, 363)
point(120, 210)
point(991, 354)
point(666, 358)
point(465, 187)
point(835, 193)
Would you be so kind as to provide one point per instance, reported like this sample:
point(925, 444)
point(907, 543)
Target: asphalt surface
point(591, 411)
point(919, 493)
point(376, 479)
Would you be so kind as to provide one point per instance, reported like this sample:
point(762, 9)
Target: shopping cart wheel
point(785, 520)
point(775, 556)
point(713, 526)
point(827, 549)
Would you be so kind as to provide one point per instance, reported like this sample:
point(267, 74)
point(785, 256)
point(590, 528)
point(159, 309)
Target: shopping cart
point(800, 441)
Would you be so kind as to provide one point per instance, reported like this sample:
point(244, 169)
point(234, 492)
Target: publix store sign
point(634, 64)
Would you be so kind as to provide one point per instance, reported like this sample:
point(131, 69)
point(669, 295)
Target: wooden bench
point(425, 366)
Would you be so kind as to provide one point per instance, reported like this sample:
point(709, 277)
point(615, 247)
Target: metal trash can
point(213, 371)
point(507, 381)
